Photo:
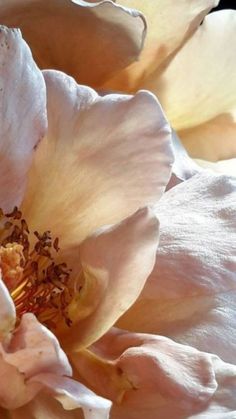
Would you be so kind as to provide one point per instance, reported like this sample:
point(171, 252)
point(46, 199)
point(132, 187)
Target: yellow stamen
point(36, 283)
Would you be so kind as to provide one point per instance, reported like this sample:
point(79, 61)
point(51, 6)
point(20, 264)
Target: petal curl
point(221, 405)
point(103, 158)
point(184, 167)
point(14, 391)
point(33, 349)
point(22, 114)
point(189, 94)
point(170, 23)
point(190, 295)
point(116, 262)
point(160, 372)
point(88, 41)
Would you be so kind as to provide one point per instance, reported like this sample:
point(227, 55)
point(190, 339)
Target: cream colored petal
point(200, 81)
point(22, 114)
point(88, 41)
point(104, 157)
point(227, 167)
point(116, 262)
point(213, 140)
point(169, 23)
point(190, 295)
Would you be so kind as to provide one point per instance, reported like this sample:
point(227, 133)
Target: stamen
point(37, 284)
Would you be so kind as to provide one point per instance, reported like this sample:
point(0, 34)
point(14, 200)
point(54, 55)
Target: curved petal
point(7, 312)
point(73, 395)
point(184, 167)
point(88, 41)
point(221, 405)
point(189, 94)
point(213, 140)
point(22, 114)
point(14, 391)
point(104, 157)
point(44, 406)
point(226, 167)
point(160, 372)
point(170, 23)
point(33, 349)
point(116, 262)
point(190, 294)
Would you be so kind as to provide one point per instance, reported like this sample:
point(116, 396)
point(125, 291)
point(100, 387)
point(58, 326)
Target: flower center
point(37, 283)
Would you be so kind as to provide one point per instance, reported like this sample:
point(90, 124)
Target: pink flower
point(172, 353)
point(81, 168)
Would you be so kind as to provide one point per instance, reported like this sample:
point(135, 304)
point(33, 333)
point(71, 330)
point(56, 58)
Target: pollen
point(36, 282)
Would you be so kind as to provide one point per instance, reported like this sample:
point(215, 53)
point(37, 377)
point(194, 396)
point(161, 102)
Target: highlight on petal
point(160, 372)
point(189, 94)
point(46, 407)
point(22, 114)
point(225, 167)
point(88, 40)
point(190, 295)
point(213, 140)
point(169, 24)
point(103, 158)
point(73, 395)
point(184, 167)
point(116, 262)
point(7, 312)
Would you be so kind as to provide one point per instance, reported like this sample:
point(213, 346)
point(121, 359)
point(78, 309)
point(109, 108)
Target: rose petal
point(116, 262)
point(221, 405)
point(34, 349)
point(191, 291)
point(227, 167)
point(22, 114)
point(14, 391)
point(88, 41)
point(44, 406)
point(223, 402)
point(72, 395)
point(191, 95)
point(170, 23)
point(184, 167)
point(94, 170)
point(7, 312)
point(213, 140)
point(158, 370)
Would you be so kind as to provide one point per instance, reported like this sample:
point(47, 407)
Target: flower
point(79, 165)
point(176, 357)
point(190, 67)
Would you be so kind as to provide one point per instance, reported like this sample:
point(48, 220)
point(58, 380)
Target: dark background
point(225, 4)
